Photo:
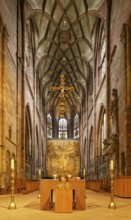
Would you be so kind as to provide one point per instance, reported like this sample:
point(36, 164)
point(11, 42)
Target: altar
point(63, 200)
point(77, 187)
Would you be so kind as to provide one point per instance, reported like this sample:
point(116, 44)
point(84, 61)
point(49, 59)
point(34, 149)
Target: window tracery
point(76, 126)
point(49, 126)
point(63, 128)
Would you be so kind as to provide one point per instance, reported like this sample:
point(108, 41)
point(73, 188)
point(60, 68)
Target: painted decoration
point(63, 158)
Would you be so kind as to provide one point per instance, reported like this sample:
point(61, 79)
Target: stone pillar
point(1, 32)
point(128, 35)
point(3, 42)
point(55, 128)
point(128, 74)
point(70, 128)
point(126, 40)
point(1, 150)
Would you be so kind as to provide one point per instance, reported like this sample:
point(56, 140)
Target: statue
point(114, 112)
point(111, 144)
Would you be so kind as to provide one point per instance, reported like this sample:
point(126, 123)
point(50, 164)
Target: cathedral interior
point(65, 92)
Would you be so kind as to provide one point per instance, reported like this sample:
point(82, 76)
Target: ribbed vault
point(62, 36)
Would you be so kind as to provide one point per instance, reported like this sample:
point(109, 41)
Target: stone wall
point(8, 91)
point(118, 76)
point(16, 80)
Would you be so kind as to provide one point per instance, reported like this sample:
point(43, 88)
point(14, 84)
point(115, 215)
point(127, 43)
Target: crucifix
point(62, 88)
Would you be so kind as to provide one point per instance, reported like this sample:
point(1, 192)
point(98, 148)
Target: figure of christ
point(62, 88)
point(64, 165)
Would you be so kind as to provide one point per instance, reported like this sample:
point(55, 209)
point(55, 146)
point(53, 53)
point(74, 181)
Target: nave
point(65, 106)
point(96, 208)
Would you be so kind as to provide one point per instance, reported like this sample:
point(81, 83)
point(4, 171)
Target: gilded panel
point(63, 157)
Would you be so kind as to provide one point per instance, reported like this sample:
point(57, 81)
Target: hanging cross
point(62, 88)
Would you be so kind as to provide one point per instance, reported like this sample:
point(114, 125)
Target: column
point(128, 34)
point(3, 47)
point(1, 31)
point(70, 128)
point(55, 128)
point(128, 78)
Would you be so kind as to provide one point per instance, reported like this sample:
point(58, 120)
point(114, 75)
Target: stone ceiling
point(62, 33)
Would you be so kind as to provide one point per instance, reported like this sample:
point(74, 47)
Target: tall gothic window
point(76, 126)
point(49, 126)
point(63, 128)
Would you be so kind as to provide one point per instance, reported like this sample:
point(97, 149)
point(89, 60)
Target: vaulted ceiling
point(62, 33)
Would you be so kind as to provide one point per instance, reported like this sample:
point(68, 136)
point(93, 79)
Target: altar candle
point(111, 165)
point(84, 172)
point(12, 164)
point(39, 172)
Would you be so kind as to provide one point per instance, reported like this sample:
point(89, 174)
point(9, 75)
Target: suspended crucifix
point(62, 88)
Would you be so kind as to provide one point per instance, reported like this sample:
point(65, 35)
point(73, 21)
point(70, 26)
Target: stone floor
point(96, 208)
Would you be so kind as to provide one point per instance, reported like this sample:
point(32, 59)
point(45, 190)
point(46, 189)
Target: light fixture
point(64, 59)
point(64, 35)
point(64, 24)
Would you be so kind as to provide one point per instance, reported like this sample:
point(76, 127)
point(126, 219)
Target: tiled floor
point(96, 208)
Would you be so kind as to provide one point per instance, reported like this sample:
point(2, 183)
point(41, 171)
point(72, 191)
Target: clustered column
point(55, 128)
point(70, 128)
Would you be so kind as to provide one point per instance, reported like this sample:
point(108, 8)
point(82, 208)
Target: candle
point(111, 164)
point(55, 175)
point(84, 172)
point(39, 172)
point(12, 164)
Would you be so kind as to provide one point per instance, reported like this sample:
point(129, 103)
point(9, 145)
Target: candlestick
point(84, 173)
point(54, 176)
point(111, 164)
point(12, 204)
point(12, 164)
point(39, 171)
point(112, 204)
